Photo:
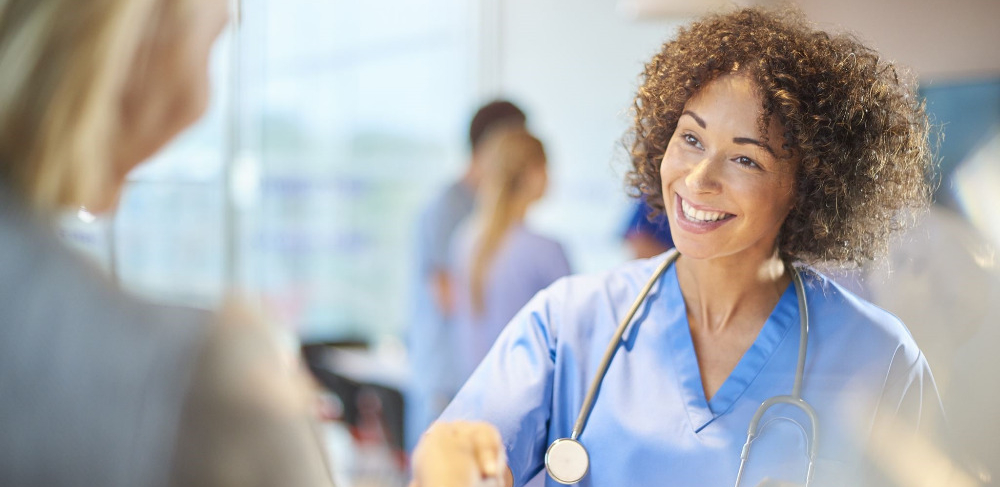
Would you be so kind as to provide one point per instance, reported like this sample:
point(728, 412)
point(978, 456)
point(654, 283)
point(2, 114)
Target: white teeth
point(700, 215)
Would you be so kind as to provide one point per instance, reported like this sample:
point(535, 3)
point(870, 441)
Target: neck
point(519, 212)
point(473, 174)
point(719, 293)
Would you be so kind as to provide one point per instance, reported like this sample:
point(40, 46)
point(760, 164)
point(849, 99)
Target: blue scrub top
point(651, 423)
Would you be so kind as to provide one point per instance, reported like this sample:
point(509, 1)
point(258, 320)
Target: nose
point(702, 177)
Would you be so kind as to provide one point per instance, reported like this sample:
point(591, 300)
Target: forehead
point(733, 103)
point(727, 98)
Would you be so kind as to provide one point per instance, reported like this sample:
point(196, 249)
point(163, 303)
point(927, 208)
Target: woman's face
point(726, 191)
point(168, 88)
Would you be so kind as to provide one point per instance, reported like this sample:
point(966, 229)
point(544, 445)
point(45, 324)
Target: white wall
point(941, 40)
point(573, 65)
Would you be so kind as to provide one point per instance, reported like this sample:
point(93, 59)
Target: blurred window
point(331, 125)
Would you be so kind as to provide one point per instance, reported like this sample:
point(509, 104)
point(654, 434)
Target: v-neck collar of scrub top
point(702, 412)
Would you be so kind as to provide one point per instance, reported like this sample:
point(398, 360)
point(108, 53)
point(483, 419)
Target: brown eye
point(691, 140)
point(748, 162)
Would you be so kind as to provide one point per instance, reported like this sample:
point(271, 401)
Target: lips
point(697, 219)
point(701, 216)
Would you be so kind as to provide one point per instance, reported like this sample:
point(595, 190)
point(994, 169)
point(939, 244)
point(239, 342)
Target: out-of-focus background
point(335, 122)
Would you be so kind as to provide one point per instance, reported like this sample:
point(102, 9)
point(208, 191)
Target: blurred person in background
point(941, 279)
point(772, 148)
point(973, 392)
point(428, 338)
point(499, 262)
point(647, 234)
point(98, 387)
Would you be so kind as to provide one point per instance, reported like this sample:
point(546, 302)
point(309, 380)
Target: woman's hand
point(460, 454)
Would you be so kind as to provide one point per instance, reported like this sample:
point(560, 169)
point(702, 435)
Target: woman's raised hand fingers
point(458, 454)
point(489, 449)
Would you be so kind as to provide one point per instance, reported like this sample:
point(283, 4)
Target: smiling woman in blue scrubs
point(767, 145)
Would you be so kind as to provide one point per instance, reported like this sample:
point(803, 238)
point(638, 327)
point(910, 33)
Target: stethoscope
point(567, 461)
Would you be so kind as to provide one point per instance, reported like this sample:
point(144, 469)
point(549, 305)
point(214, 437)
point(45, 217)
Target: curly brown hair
point(852, 119)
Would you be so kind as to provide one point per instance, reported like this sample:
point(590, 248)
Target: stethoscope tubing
point(609, 354)
point(795, 399)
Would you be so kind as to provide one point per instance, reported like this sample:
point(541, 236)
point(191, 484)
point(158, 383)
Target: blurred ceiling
point(940, 40)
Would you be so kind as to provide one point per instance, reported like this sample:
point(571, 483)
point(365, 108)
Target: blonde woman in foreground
point(100, 388)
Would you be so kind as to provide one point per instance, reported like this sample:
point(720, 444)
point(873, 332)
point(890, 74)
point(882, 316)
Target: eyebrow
point(746, 140)
point(738, 140)
point(696, 118)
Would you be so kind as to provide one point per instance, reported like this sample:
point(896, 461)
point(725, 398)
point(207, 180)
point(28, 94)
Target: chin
point(693, 250)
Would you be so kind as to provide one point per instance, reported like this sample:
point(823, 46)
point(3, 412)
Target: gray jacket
point(99, 388)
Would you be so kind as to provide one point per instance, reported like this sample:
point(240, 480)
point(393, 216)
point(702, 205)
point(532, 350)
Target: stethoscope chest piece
point(567, 461)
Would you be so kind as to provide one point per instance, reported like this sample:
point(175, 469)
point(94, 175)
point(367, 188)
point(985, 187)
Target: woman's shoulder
point(70, 333)
point(55, 295)
point(587, 293)
point(838, 311)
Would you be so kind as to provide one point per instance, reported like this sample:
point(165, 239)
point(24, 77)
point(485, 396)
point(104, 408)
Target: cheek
point(778, 201)
point(197, 98)
point(668, 166)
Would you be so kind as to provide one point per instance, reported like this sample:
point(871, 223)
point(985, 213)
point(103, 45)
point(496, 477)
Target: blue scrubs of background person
point(767, 145)
point(429, 328)
point(646, 237)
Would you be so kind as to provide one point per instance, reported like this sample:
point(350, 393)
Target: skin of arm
point(440, 283)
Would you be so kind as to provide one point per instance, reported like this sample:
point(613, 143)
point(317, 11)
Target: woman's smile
point(698, 218)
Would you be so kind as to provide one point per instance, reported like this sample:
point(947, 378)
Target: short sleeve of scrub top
point(651, 423)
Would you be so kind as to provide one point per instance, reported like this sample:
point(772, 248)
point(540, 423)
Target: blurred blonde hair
point(509, 152)
point(64, 64)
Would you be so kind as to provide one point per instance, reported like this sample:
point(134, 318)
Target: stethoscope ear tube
point(795, 399)
point(755, 424)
